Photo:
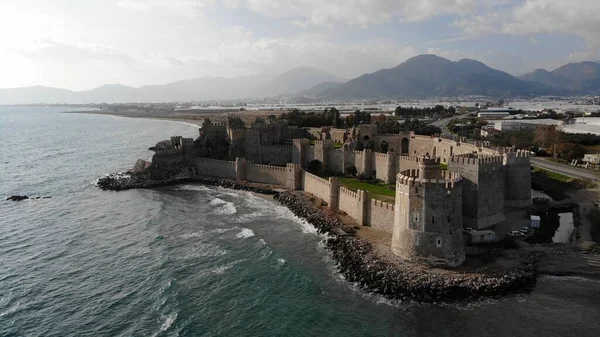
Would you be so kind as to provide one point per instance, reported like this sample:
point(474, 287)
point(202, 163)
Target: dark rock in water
point(17, 198)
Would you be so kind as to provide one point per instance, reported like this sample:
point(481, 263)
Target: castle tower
point(299, 151)
point(517, 177)
point(427, 218)
point(323, 150)
point(483, 189)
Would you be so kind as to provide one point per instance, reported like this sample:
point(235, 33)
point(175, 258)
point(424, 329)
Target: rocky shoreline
point(356, 258)
point(359, 263)
point(127, 181)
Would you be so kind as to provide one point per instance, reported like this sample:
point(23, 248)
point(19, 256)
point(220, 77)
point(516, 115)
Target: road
point(567, 170)
point(442, 123)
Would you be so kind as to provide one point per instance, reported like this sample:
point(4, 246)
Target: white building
point(493, 114)
point(523, 124)
point(474, 237)
point(592, 158)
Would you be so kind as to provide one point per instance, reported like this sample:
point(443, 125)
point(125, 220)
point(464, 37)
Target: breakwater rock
point(358, 261)
point(128, 180)
point(24, 197)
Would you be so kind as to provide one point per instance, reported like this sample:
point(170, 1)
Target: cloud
point(189, 8)
point(525, 17)
point(550, 16)
point(279, 54)
point(67, 52)
point(354, 12)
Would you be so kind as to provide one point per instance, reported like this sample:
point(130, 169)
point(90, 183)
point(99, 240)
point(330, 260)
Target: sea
point(195, 260)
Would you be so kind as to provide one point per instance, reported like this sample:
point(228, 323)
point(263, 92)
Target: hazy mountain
point(203, 88)
point(581, 78)
point(317, 90)
point(431, 75)
point(296, 80)
point(545, 77)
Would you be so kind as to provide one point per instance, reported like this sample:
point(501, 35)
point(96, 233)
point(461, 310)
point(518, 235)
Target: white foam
point(226, 209)
point(281, 261)
point(190, 235)
point(222, 269)
point(223, 230)
point(167, 322)
point(245, 233)
point(193, 188)
point(217, 201)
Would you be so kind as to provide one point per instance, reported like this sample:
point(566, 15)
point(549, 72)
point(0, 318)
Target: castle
point(431, 205)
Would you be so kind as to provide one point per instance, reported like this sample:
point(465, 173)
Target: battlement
point(168, 152)
point(324, 143)
point(382, 204)
point(426, 161)
point(267, 167)
point(349, 192)
point(211, 160)
point(412, 177)
point(301, 141)
point(409, 158)
point(476, 159)
point(308, 175)
point(381, 155)
point(276, 146)
point(518, 153)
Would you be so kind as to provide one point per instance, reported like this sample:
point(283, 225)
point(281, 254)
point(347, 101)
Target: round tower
point(428, 215)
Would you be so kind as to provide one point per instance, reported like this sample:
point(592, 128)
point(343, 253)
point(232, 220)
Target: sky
point(83, 44)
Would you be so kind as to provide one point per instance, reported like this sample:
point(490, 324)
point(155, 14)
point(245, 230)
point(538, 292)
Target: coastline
point(191, 122)
point(359, 261)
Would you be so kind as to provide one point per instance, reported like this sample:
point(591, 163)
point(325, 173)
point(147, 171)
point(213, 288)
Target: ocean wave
point(202, 250)
point(168, 320)
point(245, 233)
point(217, 201)
point(222, 269)
point(190, 235)
point(226, 209)
point(198, 188)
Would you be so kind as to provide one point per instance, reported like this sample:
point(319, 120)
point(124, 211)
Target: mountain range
point(581, 78)
point(418, 77)
point(203, 88)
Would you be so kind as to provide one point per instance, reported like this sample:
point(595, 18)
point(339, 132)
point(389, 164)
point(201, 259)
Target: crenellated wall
point(215, 168)
point(483, 189)
point(276, 154)
point(317, 186)
point(266, 174)
point(517, 179)
point(354, 204)
point(381, 215)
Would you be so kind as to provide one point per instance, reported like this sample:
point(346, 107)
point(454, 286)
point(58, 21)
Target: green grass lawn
point(376, 191)
point(553, 175)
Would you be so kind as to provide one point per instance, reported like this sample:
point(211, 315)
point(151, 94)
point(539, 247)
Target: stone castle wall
point(215, 168)
point(276, 154)
point(266, 174)
point(317, 186)
point(381, 215)
point(517, 179)
point(427, 227)
point(353, 203)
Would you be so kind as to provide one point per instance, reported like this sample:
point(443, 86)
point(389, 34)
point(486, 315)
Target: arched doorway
point(366, 138)
point(404, 146)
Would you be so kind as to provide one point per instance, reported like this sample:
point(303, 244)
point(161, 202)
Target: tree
point(547, 136)
point(570, 151)
point(349, 121)
point(383, 146)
